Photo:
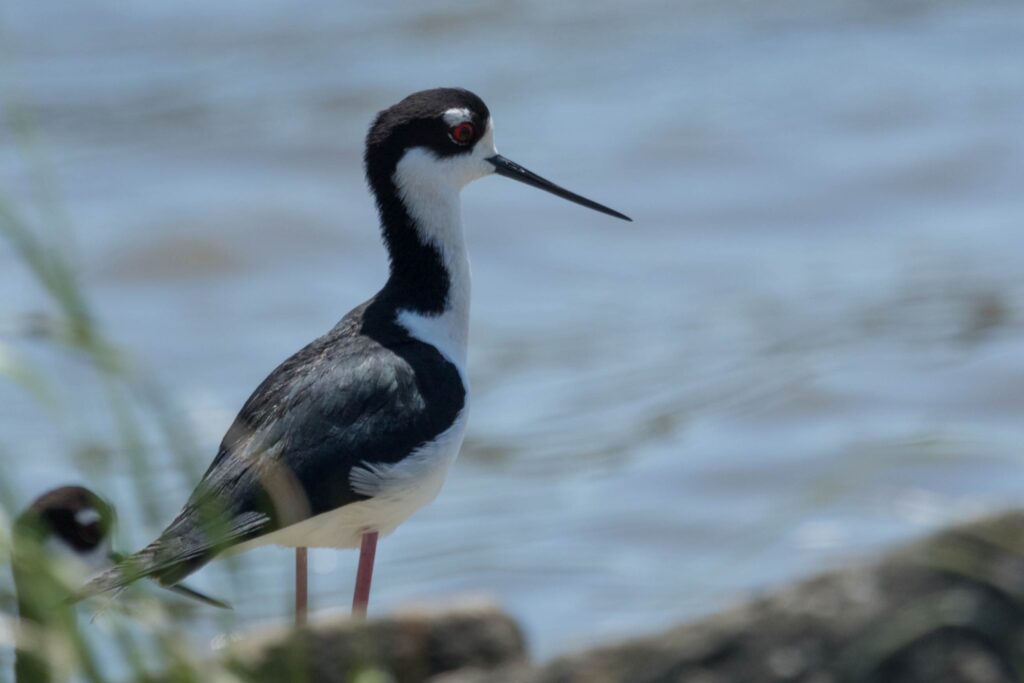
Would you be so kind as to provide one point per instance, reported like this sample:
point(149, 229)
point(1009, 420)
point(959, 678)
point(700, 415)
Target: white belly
point(397, 491)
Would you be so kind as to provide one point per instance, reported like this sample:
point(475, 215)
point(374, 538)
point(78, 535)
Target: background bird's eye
point(462, 133)
point(89, 535)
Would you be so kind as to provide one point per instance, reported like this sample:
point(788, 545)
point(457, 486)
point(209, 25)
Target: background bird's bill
point(182, 589)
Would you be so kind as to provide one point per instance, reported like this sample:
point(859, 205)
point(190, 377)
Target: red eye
point(462, 133)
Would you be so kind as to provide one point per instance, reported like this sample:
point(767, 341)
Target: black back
point(364, 393)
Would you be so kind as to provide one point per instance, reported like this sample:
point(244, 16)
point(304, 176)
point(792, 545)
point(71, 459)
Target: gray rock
point(407, 647)
point(949, 609)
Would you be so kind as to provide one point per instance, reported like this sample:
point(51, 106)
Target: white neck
point(431, 196)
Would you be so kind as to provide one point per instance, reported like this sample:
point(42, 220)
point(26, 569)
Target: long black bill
point(510, 169)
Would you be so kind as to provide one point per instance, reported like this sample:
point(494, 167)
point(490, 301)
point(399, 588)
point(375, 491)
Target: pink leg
point(301, 587)
point(364, 575)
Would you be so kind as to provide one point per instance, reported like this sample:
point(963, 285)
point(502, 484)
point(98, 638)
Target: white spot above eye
point(458, 115)
point(87, 516)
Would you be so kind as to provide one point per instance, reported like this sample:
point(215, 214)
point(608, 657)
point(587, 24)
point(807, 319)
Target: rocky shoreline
point(948, 609)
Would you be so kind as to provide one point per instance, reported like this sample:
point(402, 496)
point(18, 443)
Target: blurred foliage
point(39, 236)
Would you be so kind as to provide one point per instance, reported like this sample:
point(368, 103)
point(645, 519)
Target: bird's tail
point(127, 570)
point(182, 549)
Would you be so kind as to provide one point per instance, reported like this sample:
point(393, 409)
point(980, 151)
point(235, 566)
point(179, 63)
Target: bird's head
point(71, 525)
point(439, 141)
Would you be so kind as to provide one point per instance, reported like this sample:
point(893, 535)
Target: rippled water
point(807, 345)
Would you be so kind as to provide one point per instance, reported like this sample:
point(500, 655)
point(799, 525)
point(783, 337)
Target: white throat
point(430, 188)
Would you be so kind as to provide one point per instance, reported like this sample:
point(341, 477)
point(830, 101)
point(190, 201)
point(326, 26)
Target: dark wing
point(344, 400)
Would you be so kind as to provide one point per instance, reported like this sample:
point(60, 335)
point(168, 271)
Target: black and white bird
point(347, 438)
point(59, 541)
